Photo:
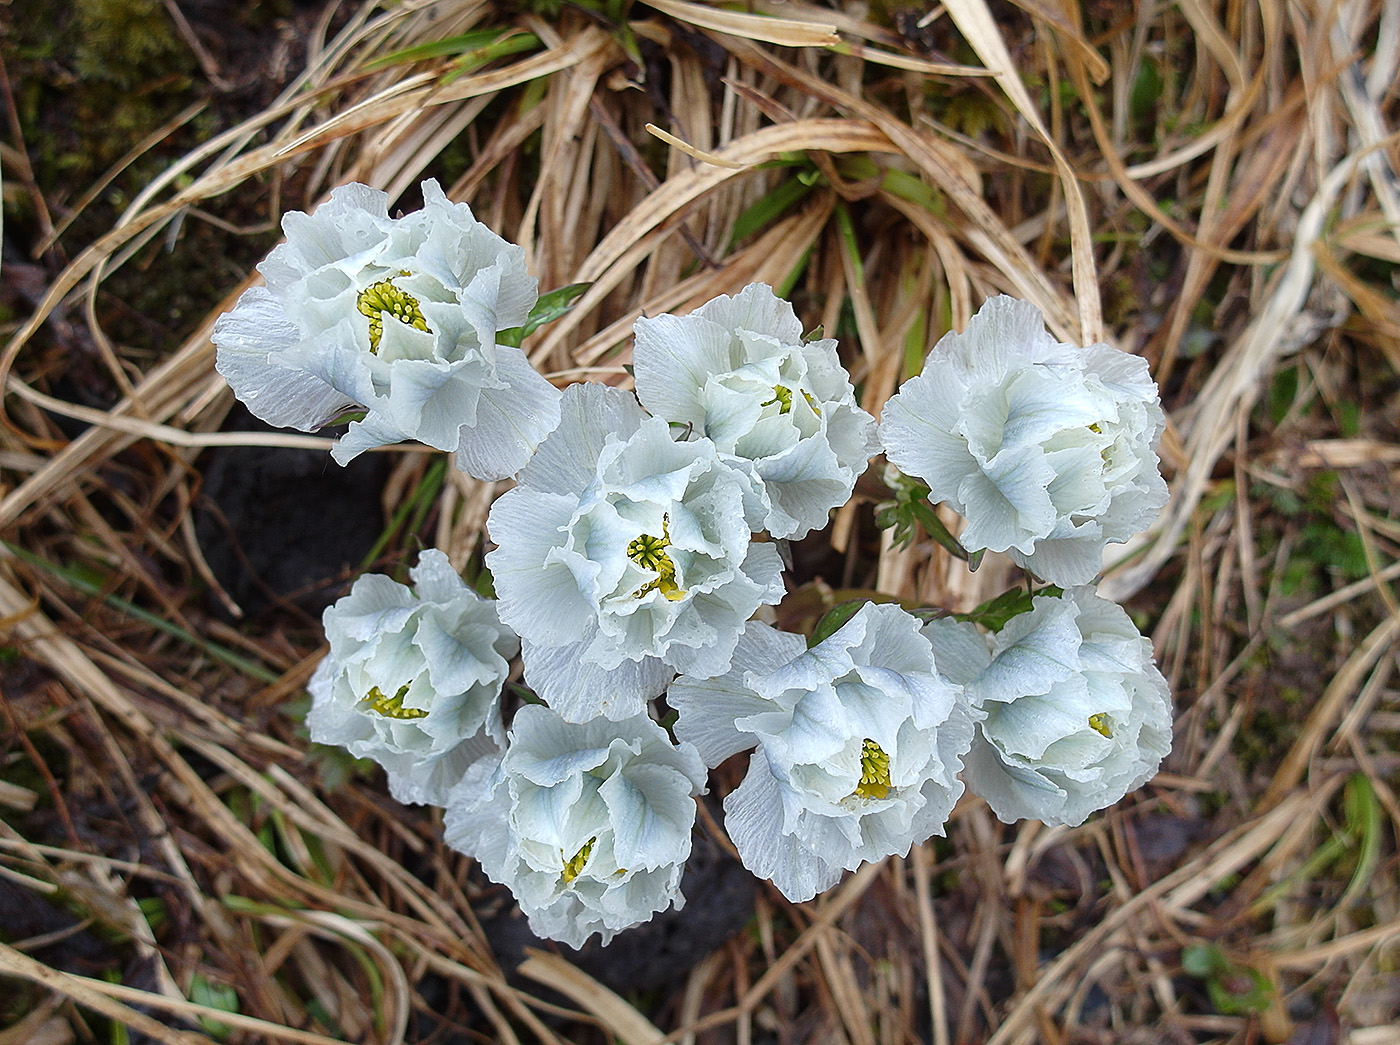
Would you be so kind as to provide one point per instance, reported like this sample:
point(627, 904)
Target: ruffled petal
point(250, 338)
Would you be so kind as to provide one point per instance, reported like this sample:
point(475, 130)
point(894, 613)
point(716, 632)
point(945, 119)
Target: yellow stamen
point(1099, 724)
point(379, 298)
point(574, 866)
point(649, 553)
point(392, 707)
point(874, 771)
point(782, 395)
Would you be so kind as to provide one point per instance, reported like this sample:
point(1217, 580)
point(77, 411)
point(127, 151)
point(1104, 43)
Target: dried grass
point(1240, 228)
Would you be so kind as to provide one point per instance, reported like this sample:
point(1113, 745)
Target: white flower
point(738, 370)
point(624, 556)
point(589, 825)
point(397, 316)
point(860, 739)
point(1076, 713)
point(413, 678)
point(1048, 450)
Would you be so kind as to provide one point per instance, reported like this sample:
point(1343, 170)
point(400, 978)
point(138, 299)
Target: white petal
point(753, 818)
point(1013, 792)
point(511, 422)
point(673, 358)
point(366, 434)
point(756, 307)
point(1034, 653)
point(431, 782)
point(708, 708)
point(249, 339)
point(958, 649)
point(590, 415)
point(580, 691)
point(540, 600)
point(652, 814)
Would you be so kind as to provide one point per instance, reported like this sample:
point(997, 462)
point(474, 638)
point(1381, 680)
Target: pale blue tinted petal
point(511, 422)
point(430, 782)
point(249, 339)
point(652, 813)
point(366, 434)
point(539, 599)
point(580, 691)
point(753, 818)
point(590, 415)
point(673, 358)
point(756, 308)
point(1013, 792)
point(1034, 653)
point(959, 651)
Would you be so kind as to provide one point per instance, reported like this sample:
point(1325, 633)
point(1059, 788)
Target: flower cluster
point(1047, 449)
point(638, 549)
point(859, 741)
point(589, 823)
point(397, 317)
point(413, 677)
point(780, 408)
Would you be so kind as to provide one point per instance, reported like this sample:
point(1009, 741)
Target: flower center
point(379, 298)
point(1099, 724)
point(392, 707)
point(649, 553)
point(574, 866)
point(782, 395)
point(874, 771)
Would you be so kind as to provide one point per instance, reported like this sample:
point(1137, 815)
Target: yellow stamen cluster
point(392, 707)
point(649, 553)
point(782, 395)
point(1099, 724)
point(874, 771)
point(573, 867)
point(379, 298)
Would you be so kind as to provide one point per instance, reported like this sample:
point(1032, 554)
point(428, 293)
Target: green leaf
point(463, 44)
point(550, 307)
point(1234, 989)
point(847, 229)
point(1202, 960)
point(768, 209)
point(1145, 93)
point(994, 613)
point(909, 509)
point(476, 59)
point(912, 188)
point(524, 694)
point(1240, 991)
point(473, 49)
point(1363, 821)
point(412, 511)
point(215, 996)
point(834, 620)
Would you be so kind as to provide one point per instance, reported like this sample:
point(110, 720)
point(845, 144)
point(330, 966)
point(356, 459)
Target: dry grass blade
point(621, 1019)
point(786, 32)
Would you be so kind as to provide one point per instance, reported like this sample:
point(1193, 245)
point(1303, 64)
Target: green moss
point(124, 42)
